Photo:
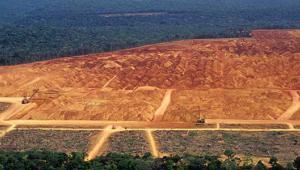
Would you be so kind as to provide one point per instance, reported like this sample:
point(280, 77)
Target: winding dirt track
point(293, 108)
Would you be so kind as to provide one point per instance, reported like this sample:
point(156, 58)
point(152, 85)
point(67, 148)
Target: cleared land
point(284, 145)
point(62, 141)
point(131, 142)
point(95, 104)
point(242, 78)
point(188, 105)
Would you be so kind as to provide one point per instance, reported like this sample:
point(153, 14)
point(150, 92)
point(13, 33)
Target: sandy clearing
point(295, 106)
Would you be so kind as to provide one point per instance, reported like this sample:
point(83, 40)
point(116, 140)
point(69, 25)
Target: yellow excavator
point(27, 99)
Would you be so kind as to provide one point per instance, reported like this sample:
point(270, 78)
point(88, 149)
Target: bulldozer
point(26, 99)
point(200, 120)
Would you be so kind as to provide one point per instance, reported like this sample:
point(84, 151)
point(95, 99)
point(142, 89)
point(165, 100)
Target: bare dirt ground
point(246, 78)
point(238, 85)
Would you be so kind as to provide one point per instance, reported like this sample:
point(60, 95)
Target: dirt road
point(97, 148)
point(16, 107)
point(159, 113)
point(4, 132)
point(293, 108)
point(90, 124)
point(152, 143)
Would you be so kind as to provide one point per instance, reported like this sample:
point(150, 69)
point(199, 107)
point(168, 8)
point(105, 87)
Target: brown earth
point(246, 78)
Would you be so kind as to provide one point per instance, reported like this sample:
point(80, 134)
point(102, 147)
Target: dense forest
point(32, 30)
point(46, 160)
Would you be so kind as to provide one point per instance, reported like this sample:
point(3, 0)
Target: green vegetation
point(47, 160)
point(32, 30)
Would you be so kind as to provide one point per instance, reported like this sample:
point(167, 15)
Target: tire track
point(108, 82)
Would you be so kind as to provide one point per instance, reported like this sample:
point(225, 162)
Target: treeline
point(46, 160)
point(35, 30)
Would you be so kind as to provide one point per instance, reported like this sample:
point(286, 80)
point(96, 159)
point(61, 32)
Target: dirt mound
point(111, 86)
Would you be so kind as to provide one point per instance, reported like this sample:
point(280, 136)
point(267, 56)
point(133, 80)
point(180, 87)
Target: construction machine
point(27, 99)
point(200, 120)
